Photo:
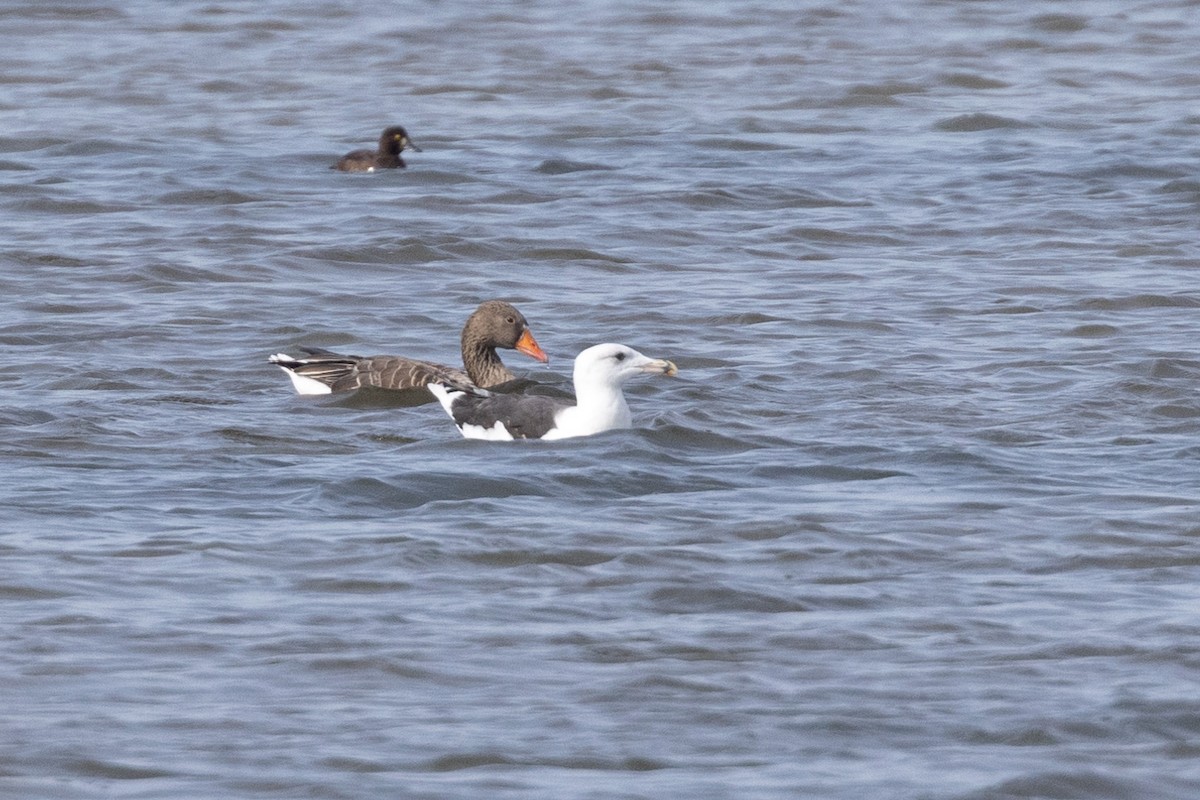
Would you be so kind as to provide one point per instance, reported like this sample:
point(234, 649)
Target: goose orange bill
point(527, 345)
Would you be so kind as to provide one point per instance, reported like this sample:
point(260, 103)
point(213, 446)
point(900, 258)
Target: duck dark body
point(392, 141)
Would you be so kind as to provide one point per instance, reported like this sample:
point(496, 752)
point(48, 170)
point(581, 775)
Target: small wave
point(207, 197)
point(415, 490)
point(967, 80)
point(511, 557)
point(1093, 331)
point(971, 123)
point(570, 254)
point(1059, 23)
point(1141, 301)
point(709, 599)
point(562, 166)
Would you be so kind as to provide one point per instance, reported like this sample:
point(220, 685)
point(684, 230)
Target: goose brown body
point(494, 324)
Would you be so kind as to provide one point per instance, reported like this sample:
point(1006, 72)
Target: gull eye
point(619, 356)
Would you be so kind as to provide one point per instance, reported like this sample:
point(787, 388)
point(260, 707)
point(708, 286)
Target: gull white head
point(613, 364)
point(599, 402)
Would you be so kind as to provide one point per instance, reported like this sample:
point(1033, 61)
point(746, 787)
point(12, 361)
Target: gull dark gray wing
point(524, 416)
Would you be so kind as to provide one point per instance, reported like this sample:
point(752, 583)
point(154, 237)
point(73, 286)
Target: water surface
point(918, 518)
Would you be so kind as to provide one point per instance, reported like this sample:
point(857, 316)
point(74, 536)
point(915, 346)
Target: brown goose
point(494, 324)
point(391, 142)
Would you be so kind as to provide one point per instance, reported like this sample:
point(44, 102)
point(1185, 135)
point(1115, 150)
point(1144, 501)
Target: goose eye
point(511, 320)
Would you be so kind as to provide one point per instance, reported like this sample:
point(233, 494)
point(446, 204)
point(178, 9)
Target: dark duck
point(392, 141)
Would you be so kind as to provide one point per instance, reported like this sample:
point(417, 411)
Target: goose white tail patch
point(306, 385)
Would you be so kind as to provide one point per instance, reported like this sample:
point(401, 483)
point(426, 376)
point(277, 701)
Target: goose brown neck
point(481, 362)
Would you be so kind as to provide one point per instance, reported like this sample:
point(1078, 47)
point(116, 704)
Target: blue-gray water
point(918, 519)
